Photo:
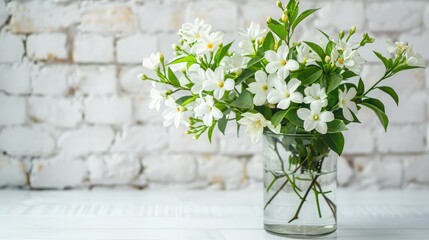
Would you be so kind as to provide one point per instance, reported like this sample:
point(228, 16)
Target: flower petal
point(327, 116)
point(293, 84)
point(274, 97)
point(261, 76)
point(304, 113)
point(217, 114)
point(228, 84)
point(347, 114)
point(321, 127)
point(283, 104)
point(296, 97)
point(292, 65)
point(309, 124)
point(272, 56)
point(259, 99)
point(272, 67)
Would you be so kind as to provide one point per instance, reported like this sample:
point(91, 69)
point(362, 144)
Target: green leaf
point(380, 114)
point(222, 52)
point(269, 42)
point(335, 141)
point(245, 100)
point(187, 58)
point(361, 88)
point(391, 93)
point(303, 16)
point(385, 61)
point(278, 118)
point(222, 124)
point(254, 61)
point(317, 49)
point(401, 68)
point(334, 81)
point(292, 116)
point(336, 126)
point(244, 75)
point(375, 102)
point(329, 47)
point(172, 78)
point(183, 101)
point(325, 34)
point(348, 74)
point(310, 74)
point(210, 132)
point(278, 29)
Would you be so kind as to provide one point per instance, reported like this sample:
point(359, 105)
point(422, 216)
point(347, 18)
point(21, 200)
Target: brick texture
point(74, 115)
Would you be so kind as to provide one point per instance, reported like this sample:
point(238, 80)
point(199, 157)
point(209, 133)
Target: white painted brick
point(132, 49)
point(109, 18)
point(91, 48)
point(230, 144)
point(411, 109)
point(108, 110)
point(181, 143)
point(344, 171)
point(142, 139)
point(51, 79)
point(15, 78)
point(11, 48)
point(96, 80)
point(47, 46)
point(341, 15)
point(60, 112)
point(165, 42)
point(3, 13)
point(416, 169)
point(12, 172)
point(45, 16)
point(358, 140)
point(255, 167)
point(24, 141)
point(222, 15)
point(419, 42)
point(57, 173)
point(113, 169)
point(258, 11)
point(85, 140)
point(426, 17)
point(13, 110)
point(143, 114)
point(227, 171)
point(130, 83)
point(402, 139)
point(169, 168)
point(169, 16)
point(394, 16)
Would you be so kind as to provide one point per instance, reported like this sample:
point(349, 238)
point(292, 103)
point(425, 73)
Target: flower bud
point(371, 40)
point(327, 59)
point(341, 35)
point(284, 18)
point(161, 57)
point(169, 92)
point(272, 106)
point(279, 4)
point(269, 20)
point(175, 47)
point(352, 30)
point(261, 40)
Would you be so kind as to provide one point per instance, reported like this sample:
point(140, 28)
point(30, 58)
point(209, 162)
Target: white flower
point(315, 93)
point(346, 103)
point(197, 76)
point(208, 111)
point(306, 55)
point(253, 32)
point(397, 47)
point(261, 87)
point(157, 97)
point(342, 45)
point(173, 114)
point(247, 47)
point(191, 32)
point(256, 123)
point(208, 43)
point(413, 58)
point(285, 94)
point(350, 59)
point(216, 81)
point(235, 64)
point(315, 118)
point(278, 62)
point(153, 62)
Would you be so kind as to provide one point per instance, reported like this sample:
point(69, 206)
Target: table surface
point(196, 215)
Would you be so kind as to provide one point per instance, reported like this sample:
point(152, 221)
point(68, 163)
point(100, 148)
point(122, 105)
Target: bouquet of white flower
point(273, 84)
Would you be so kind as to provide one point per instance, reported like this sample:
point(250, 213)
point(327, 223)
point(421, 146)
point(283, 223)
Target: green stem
point(316, 194)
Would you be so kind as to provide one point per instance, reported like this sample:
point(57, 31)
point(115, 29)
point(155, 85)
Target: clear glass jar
point(300, 174)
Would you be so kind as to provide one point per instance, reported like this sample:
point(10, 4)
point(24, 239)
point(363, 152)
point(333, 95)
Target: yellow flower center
point(316, 117)
point(343, 102)
point(259, 124)
point(220, 84)
point(287, 95)
point(340, 60)
point(284, 62)
point(178, 109)
point(209, 45)
point(265, 87)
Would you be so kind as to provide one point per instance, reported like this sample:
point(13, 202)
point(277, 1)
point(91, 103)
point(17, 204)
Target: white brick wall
point(73, 114)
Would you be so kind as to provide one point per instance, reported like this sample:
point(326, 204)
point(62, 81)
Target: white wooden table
point(198, 215)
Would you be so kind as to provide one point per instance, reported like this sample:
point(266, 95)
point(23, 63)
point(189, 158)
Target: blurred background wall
point(74, 115)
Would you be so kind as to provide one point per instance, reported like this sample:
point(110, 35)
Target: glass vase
point(300, 174)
